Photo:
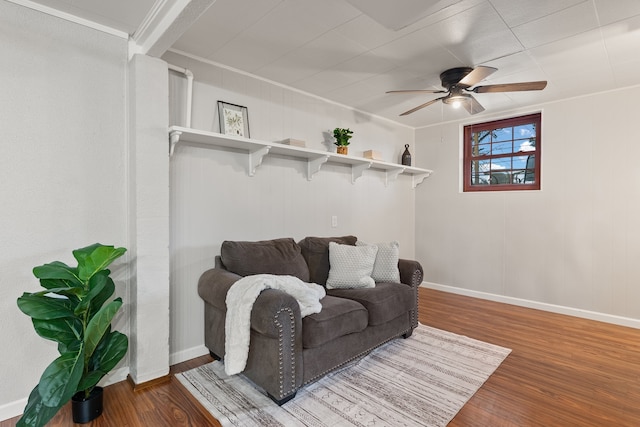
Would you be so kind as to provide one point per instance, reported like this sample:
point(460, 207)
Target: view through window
point(503, 154)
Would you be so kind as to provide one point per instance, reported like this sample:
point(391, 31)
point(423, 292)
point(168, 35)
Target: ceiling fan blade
point(419, 107)
point(510, 87)
point(479, 73)
point(473, 106)
point(416, 91)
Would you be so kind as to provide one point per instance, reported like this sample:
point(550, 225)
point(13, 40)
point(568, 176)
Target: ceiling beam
point(165, 24)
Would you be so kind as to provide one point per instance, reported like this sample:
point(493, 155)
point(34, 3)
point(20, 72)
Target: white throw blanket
point(240, 299)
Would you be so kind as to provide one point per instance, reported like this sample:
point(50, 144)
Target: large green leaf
point(106, 356)
point(71, 285)
point(110, 351)
point(36, 413)
point(60, 379)
point(58, 270)
point(43, 307)
point(107, 291)
point(99, 324)
point(94, 258)
point(64, 331)
point(72, 293)
point(96, 284)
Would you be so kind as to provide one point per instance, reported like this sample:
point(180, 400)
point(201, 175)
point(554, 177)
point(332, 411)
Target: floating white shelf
point(257, 149)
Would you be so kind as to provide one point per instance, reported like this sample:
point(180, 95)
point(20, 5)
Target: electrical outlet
point(334, 221)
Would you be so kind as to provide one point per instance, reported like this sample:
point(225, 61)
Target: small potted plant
point(74, 310)
point(342, 137)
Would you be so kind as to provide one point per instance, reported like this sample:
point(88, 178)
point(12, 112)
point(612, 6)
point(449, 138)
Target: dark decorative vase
point(85, 410)
point(406, 156)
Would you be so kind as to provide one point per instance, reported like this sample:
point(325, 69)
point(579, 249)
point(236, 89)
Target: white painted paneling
point(63, 170)
point(213, 199)
point(572, 244)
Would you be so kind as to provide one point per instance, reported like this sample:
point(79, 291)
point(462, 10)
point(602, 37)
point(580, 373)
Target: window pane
point(524, 131)
point(530, 172)
point(480, 172)
point(502, 148)
point(480, 166)
point(504, 134)
point(480, 178)
point(503, 163)
point(481, 150)
point(525, 145)
point(500, 178)
point(520, 162)
point(482, 137)
point(519, 169)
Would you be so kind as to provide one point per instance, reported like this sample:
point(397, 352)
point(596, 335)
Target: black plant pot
point(85, 410)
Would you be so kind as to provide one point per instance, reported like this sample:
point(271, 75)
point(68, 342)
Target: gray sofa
point(287, 351)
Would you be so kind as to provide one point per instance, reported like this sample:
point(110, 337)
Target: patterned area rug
point(420, 381)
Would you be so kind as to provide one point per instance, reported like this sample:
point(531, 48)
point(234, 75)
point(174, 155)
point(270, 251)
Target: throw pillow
point(315, 251)
point(351, 266)
point(385, 269)
point(277, 256)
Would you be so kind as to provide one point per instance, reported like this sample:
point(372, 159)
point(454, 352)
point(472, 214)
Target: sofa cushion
point(385, 269)
point(278, 256)
point(383, 303)
point(351, 266)
point(315, 251)
point(338, 317)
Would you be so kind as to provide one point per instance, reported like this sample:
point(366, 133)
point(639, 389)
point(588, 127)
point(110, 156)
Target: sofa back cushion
point(315, 251)
point(277, 256)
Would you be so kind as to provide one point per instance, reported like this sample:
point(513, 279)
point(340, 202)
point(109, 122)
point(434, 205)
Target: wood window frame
point(468, 158)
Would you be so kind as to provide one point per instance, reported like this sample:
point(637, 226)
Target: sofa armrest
point(411, 272)
point(214, 285)
point(267, 315)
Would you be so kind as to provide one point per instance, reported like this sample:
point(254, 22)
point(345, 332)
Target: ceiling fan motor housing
point(452, 77)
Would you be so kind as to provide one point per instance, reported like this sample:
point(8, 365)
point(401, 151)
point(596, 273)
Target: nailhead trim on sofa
point(281, 352)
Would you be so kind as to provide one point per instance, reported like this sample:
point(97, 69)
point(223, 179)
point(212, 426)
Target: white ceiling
point(332, 49)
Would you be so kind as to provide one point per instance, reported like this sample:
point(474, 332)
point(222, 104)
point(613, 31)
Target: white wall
point(213, 198)
point(62, 170)
point(574, 244)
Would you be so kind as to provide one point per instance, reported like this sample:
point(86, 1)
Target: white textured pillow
point(385, 268)
point(351, 266)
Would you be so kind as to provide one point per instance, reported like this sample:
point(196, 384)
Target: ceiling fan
point(458, 82)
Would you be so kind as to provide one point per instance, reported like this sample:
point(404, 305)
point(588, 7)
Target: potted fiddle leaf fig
point(75, 310)
point(342, 137)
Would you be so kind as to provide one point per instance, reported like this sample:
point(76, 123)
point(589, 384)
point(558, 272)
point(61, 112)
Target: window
point(503, 155)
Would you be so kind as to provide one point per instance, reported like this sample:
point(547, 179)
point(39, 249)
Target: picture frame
point(234, 119)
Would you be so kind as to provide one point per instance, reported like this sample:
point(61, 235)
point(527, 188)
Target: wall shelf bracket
point(357, 170)
point(174, 137)
point(255, 158)
point(392, 175)
point(418, 178)
point(314, 165)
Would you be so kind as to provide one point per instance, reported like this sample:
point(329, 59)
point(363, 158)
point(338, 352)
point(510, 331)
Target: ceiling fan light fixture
point(456, 100)
point(461, 81)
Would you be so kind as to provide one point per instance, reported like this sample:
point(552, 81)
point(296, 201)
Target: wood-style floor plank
point(563, 371)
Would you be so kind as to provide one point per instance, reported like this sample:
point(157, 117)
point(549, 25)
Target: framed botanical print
point(234, 119)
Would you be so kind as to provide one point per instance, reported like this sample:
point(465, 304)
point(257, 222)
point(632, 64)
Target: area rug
point(420, 381)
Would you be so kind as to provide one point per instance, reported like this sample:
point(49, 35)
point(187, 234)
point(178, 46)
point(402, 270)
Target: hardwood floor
point(563, 371)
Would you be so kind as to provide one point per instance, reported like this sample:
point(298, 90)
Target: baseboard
point(569, 311)
point(141, 386)
point(12, 409)
point(188, 354)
